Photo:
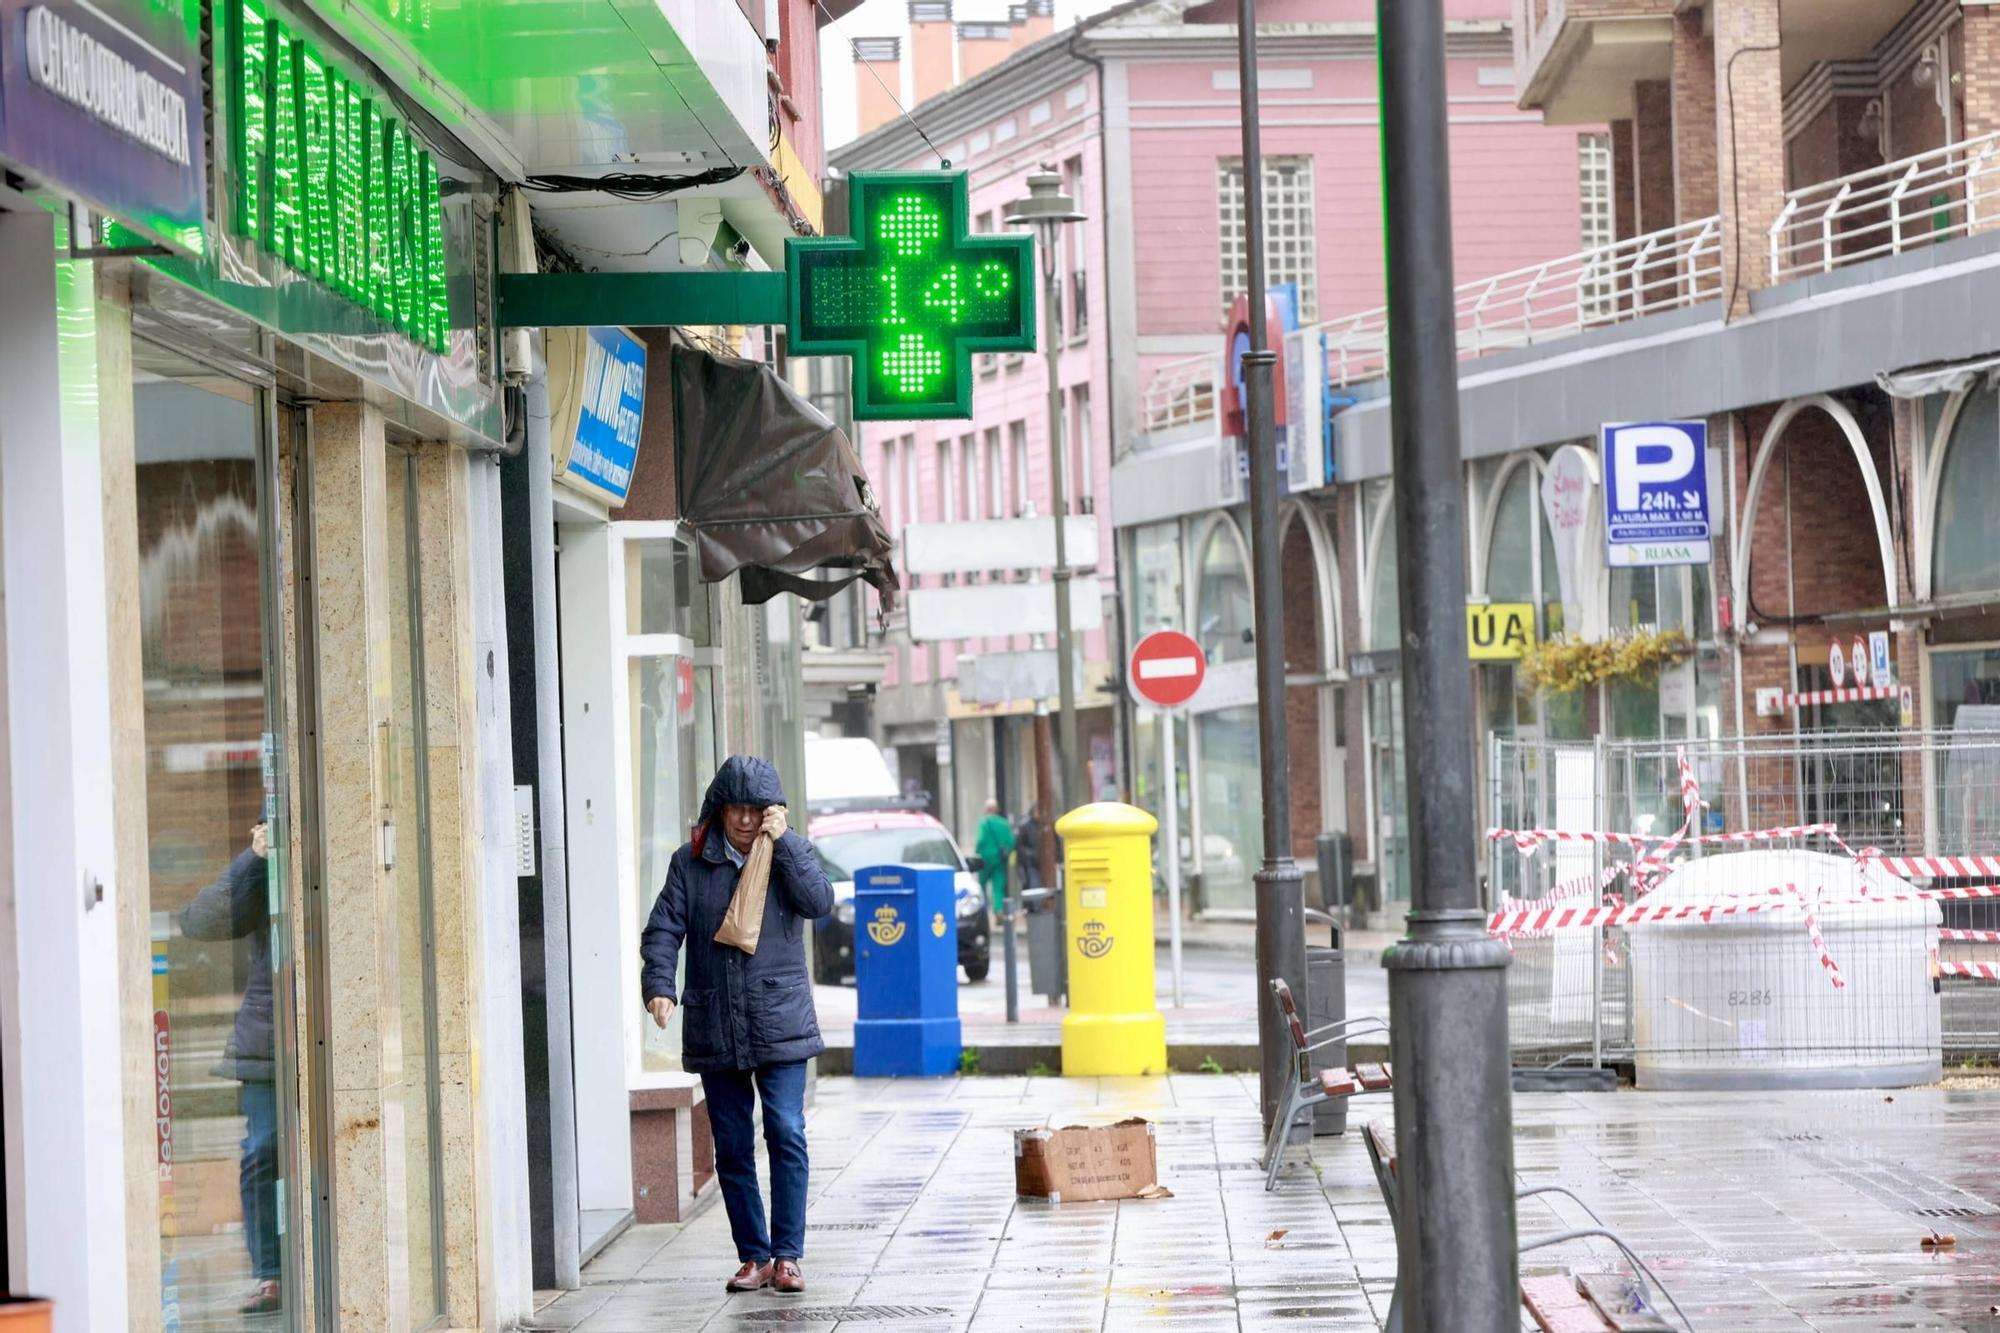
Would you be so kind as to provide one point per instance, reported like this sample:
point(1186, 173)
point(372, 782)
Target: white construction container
point(1744, 1001)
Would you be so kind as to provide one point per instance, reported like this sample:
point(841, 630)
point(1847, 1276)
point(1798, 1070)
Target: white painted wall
point(58, 947)
point(601, 1002)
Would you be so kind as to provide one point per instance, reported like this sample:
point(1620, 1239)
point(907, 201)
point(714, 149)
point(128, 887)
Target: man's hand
point(774, 822)
point(260, 839)
point(662, 1009)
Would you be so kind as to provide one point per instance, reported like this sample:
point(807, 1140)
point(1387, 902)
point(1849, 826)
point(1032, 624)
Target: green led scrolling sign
point(330, 185)
point(910, 295)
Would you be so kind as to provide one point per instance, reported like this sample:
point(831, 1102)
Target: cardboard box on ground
point(1076, 1164)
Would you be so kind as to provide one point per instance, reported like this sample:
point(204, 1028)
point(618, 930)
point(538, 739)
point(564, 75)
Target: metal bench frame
point(1307, 1089)
point(1385, 1180)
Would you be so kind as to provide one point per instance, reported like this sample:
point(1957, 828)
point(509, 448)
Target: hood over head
point(743, 779)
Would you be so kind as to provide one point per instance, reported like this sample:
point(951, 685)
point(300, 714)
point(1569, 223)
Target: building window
point(912, 509)
point(996, 476)
point(1079, 287)
point(1083, 498)
point(1597, 226)
point(986, 363)
point(1290, 250)
point(974, 492)
point(947, 483)
point(891, 504)
point(1017, 443)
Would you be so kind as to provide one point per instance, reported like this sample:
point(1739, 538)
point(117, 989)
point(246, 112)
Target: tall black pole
point(1281, 922)
point(1447, 978)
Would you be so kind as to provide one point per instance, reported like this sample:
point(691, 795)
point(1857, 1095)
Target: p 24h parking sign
point(1656, 493)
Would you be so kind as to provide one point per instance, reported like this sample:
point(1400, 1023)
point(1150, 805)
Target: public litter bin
point(1326, 1002)
point(1336, 871)
point(905, 971)
point(1114, 1024)
point(1045, 942)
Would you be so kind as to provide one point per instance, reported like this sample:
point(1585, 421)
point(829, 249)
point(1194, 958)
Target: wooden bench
point(1312, 1086)
point(1558, 1303)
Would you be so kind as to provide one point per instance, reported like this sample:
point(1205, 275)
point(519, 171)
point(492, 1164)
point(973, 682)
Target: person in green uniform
point(995, 846)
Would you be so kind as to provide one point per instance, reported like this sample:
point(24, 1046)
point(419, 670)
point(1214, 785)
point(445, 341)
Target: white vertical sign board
point(1656, 493)
point(1573, 514)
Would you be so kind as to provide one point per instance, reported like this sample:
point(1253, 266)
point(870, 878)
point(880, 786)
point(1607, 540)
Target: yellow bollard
point(1114, 1024)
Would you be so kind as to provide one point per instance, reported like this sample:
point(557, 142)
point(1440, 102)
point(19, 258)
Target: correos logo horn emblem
point(937, 925)
point(885, 929)
point(1093, 942)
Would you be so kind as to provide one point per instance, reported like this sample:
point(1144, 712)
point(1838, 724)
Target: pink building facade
point(1138, 109)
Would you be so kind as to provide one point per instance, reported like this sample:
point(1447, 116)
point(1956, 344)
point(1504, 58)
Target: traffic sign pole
point(1164, 672)
point(1170, 821)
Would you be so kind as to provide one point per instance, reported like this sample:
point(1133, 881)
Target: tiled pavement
point(1795, 1211)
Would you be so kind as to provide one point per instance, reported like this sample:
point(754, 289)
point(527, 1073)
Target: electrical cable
point(1736, 175)
point(944, 163)
point(633, 186)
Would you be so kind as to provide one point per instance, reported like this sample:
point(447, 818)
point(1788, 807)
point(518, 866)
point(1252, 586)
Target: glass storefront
point(671, 711)
point(216, 840)
point(1229, 804)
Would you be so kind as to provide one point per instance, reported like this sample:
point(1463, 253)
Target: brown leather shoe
point(751, 1277)
point(787, 1278)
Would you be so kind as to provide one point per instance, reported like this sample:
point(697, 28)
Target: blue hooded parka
point(738, 1010)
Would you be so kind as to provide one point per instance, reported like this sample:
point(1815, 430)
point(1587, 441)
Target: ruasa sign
point(332, 185)
point(910, 295)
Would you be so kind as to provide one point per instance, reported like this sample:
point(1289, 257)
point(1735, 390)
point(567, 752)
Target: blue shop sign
point(611, 408)
point(1656, 493)
point(101, 100)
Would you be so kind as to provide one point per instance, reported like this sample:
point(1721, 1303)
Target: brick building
point(1797, 252)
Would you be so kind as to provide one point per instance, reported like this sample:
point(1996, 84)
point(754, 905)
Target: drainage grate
point(1802, 1138)
point(838, 1314)
point(843, 1226)
point(1950, 1212)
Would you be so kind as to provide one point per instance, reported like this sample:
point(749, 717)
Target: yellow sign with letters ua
point(1499, 631)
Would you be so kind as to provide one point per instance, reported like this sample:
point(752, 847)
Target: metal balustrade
point(1183, 392)
point(1886, 210)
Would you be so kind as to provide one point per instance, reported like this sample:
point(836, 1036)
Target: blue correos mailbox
point(905, 971)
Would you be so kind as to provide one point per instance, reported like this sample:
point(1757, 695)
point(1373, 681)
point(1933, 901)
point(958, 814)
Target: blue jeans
point(782, 1089)
point(258, 1179)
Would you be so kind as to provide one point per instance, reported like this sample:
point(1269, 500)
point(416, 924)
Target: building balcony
point(1576, 60)
point(1919, 200)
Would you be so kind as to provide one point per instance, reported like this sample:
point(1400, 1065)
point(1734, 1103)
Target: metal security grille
point(1290, 248)
point(1597, 225)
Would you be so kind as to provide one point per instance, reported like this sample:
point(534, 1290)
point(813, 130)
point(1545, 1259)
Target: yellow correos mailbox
point(1114, 1024)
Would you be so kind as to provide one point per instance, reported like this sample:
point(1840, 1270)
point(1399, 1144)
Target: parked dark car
point(850, 839)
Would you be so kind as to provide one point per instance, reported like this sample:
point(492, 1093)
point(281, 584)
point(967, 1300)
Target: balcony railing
point(1886, 210)
point(1183, 392)
point(1611, 284)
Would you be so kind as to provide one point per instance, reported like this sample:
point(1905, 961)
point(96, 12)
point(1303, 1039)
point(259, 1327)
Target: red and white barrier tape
point(1852, 694)
point(1831, 968)
point(1529, 841)
point(1772, 900)
point(1930, 867)
point(1970, 936)
point(1973, 971)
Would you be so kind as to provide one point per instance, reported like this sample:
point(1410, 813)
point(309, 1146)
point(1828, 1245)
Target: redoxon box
point(1077, 1164)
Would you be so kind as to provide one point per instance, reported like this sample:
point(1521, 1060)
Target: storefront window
point(668, 624)
point(1385, 613)
point(1965, 687)
point(1230, 799)
point(1967, 558)
point(1962, 677)
point(216, 849)
point(1156, 578)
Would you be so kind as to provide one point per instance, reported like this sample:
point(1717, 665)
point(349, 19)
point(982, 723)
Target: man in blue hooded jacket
point(749, 1026)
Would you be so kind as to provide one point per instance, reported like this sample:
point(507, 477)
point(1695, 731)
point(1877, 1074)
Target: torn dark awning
point(770, 487)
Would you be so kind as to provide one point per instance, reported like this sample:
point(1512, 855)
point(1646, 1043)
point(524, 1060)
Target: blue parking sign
point(1656, 493)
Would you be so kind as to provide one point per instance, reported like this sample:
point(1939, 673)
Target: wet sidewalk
point(1798, 1211)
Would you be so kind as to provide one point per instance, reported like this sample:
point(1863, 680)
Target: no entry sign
point(1166, 669)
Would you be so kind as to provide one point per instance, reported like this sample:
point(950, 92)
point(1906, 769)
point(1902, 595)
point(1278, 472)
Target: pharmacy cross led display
point(910, 295)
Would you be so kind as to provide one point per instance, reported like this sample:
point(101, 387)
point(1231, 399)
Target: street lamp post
point(1046, 208)
point(1281, 921)
point(1448, 978)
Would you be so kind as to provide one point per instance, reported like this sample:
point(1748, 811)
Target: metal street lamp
point(1046, 208)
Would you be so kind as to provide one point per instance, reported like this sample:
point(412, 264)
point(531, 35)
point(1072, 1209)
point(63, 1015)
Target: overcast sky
point(891, 18)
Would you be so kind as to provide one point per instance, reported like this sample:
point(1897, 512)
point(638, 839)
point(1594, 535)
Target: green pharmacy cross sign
point(910, 295)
